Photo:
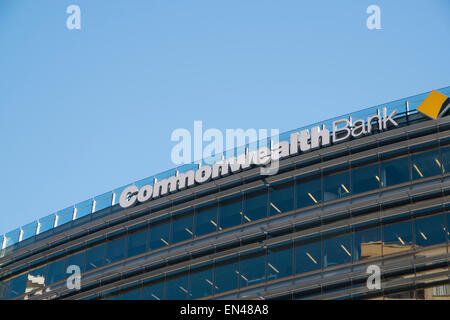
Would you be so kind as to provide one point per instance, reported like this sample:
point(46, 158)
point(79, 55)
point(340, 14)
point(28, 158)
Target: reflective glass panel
point(159, 234)
point(367, 244)
point(397, 237)
point(17, 286)
point(226, 274)
point(205, 219)
point(230, 211)
point(279, 261)
point(336, 186)
point(394, 172)
point(182, 228)
point(137, 241)
point(337, 250)
point(255, 205)
point(252, 268)
point(132, 292)
point(153, 289)
point(365, 179)
point(115, 250)
point(281, 197)
point(308, 191)
point(94, 257)
point(430, 230)
point(426, 164)
point(445, 152)
point(201, 281)
point(176, 286)
point(56, 271)
point(308, 255)
point(76, 259)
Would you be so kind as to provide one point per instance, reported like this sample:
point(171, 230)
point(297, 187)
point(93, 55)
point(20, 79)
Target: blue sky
point(86, 111)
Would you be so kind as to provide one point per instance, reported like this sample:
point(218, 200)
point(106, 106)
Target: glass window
point(131, 292)
point(153, 289)
point(308, 190)
point(115, 249)
point(252, 268)
point(336, 186)
point(76, 259)
point(255, 205)
point(365, 179)
point(182, 226)
point(446, 159)
point(397, 237)
point(176, 285)
point(279, 261)
point(137, 241)
point(281, 197)
point(205, 219)
point(201, 281)
point(367, 244)
point(230, 210)
point(426, 164)
point(394, 172)
point(55, 271)
point(17, 286)
point(36, 279)
point(430, 230)
point(308, 255)
point(94, 257)
point(226, 274)
point(337, 250)
point(159, 234)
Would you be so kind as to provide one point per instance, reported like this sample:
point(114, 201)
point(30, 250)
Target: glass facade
point(300, 256)
point(297, 252)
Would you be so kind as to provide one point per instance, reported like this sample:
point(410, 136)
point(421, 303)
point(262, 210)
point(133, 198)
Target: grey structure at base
point(308, 232)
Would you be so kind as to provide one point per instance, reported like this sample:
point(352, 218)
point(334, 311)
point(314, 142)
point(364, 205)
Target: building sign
point(303, 141)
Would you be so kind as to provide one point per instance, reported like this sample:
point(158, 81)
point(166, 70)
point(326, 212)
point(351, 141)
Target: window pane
point(36, 279)
point(337, 250)
point(394, 172)
point(115, 250)
point(182, 227)
point(76, 259)
point(252, 268)
point(279, 261)
point(137, 242)
point(425, 164)
point(365, 179)
point(255, 205)
point(17, 286)
point(201, 281)
point(176, 286)
point(205, 219)
point(430, 230)
point(230, 212)
point(446, 159)
point(281, 197)
point(159, 234)
point(226, 275)
point(308, 191)
point(55, 271)
point(367, 244)
point(132, 292)
point(308, 255)
point(94, 257)
point(153, 289)
point(336, 186)
point(397, 237)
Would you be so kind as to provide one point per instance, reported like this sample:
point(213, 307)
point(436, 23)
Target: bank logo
point(435, 105)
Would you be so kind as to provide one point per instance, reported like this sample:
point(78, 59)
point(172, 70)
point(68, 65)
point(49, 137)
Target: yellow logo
point(435, 105)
